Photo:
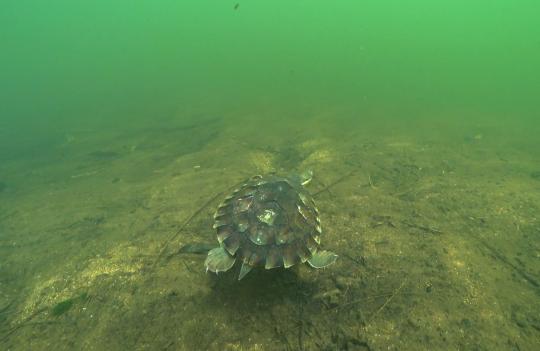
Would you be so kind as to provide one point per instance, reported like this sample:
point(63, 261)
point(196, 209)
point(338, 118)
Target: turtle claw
point(322, 259)
point(302, 178)
point(306, 177)
point(218, 260)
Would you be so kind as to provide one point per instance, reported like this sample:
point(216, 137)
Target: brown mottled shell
point(269, 221)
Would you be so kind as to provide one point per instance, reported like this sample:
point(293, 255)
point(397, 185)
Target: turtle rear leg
point(322, 259)
point(218, 260)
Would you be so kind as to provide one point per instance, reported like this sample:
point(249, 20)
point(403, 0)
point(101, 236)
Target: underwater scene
point(269, 175)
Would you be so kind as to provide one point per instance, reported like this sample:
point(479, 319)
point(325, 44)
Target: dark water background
point(120, 119)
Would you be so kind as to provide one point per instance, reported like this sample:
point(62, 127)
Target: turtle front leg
point(322, 259)
point(219, 260)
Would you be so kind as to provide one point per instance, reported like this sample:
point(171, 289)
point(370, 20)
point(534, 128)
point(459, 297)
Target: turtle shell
point(269, 221)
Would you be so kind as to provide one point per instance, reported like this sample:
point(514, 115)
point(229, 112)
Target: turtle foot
point(322, 259)
point(218, 260)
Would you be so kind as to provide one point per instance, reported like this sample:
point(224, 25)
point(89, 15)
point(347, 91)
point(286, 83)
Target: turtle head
point(302, 178)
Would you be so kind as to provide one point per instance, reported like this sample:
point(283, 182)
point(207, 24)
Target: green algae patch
point(62, 307)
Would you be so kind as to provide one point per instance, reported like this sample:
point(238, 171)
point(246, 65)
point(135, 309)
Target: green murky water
point(122, 124)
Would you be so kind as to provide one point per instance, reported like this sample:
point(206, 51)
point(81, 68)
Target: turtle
point(270, 221)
